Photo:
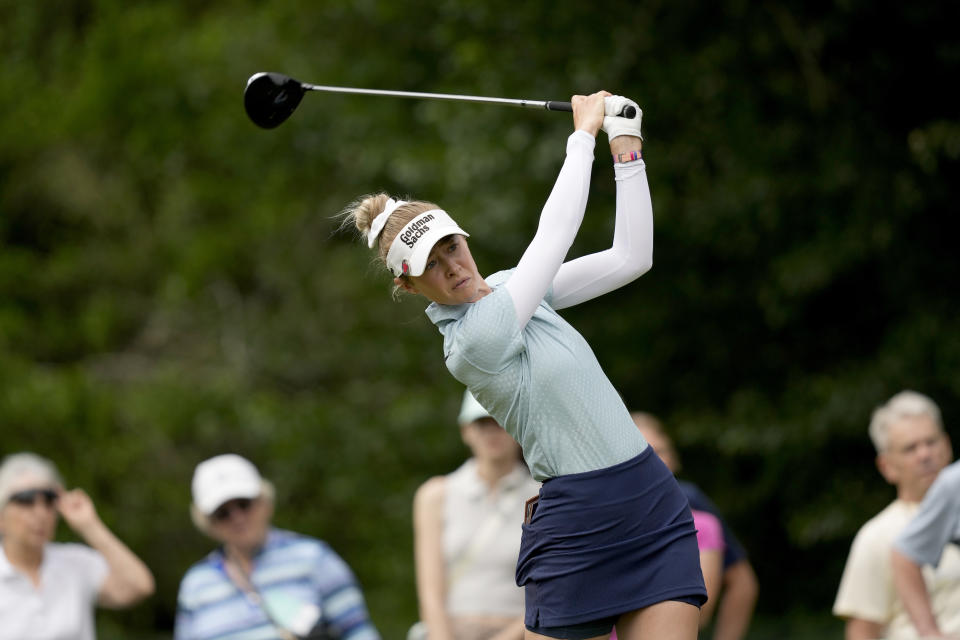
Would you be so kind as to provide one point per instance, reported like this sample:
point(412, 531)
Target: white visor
point(411, 247)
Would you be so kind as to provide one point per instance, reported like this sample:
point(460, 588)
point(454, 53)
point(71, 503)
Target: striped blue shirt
point(301, 581)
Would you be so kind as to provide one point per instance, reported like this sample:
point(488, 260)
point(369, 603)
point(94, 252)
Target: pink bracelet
point(626, 157)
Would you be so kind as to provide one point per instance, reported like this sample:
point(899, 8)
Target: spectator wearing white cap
point(48, 590)
point(263, 582)
point(467, 527)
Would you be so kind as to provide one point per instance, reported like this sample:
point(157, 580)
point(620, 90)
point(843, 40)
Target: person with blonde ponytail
point(609, 541)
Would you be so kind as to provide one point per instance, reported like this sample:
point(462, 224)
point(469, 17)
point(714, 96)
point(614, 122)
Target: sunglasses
point(28, 497)
point(224, 511)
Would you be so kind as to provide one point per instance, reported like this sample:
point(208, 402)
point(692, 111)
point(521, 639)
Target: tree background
point(173, 283)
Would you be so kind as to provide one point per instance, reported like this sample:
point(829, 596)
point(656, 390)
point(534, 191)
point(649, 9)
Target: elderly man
point(925, 541)
point(262, 582)
point(912, 448)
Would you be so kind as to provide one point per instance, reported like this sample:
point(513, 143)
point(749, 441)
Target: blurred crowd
point(901, 580)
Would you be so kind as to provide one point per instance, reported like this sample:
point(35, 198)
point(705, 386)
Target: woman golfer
point(610, 539)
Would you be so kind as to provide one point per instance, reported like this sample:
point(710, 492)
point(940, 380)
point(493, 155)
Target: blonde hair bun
point(366, 208)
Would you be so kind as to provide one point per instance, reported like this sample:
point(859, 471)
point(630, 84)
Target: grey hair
point(17, 465)
point(905, 404)
point(204, 523)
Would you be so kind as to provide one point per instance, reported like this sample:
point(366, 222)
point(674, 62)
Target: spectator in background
point(467, 537)
point(738, 582)
point(911, 450)
point(926, 541)
point(262, 583)
point(48, 590)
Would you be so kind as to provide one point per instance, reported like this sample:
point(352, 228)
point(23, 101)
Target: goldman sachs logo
point(416, 230)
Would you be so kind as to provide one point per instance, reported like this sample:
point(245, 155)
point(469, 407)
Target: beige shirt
point(481, 541)
point(867, 590)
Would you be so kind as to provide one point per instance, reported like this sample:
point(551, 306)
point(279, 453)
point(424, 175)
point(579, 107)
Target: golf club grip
point(553, 105)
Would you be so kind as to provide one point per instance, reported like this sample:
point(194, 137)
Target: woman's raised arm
point(562, 214)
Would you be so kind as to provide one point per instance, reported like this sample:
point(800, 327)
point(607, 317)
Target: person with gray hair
point(48, 590)
point(262, 582)
point(912, 448)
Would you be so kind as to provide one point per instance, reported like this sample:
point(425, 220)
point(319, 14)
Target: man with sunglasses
point(49, 590)
point(262, 582)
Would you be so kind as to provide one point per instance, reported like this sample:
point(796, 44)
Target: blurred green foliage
point(173, 283)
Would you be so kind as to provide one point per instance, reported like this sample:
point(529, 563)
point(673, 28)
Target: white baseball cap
point(411, 247)
point(223, 478)
point(471, 410)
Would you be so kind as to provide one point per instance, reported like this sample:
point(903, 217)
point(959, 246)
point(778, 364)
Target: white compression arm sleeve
point(559, 222)
point(631, 254)
point(593, 275)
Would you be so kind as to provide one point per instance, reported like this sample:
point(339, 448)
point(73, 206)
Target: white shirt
point(61, 608)
point(867, 590)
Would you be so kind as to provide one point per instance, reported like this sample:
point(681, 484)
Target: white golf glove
point(616, 125)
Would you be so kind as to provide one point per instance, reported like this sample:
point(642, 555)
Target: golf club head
point(270, 98)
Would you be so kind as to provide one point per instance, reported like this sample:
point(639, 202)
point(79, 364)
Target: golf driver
point(270, 98)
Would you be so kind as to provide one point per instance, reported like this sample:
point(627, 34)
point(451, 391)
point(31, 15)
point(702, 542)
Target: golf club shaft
point(550, 105)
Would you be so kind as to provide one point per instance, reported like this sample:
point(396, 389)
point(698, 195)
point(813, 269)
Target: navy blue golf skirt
point(605, 542)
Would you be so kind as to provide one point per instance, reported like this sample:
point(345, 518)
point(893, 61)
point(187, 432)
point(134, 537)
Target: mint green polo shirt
point(543, 384)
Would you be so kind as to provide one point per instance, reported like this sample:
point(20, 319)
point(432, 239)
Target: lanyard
point(244, 583)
